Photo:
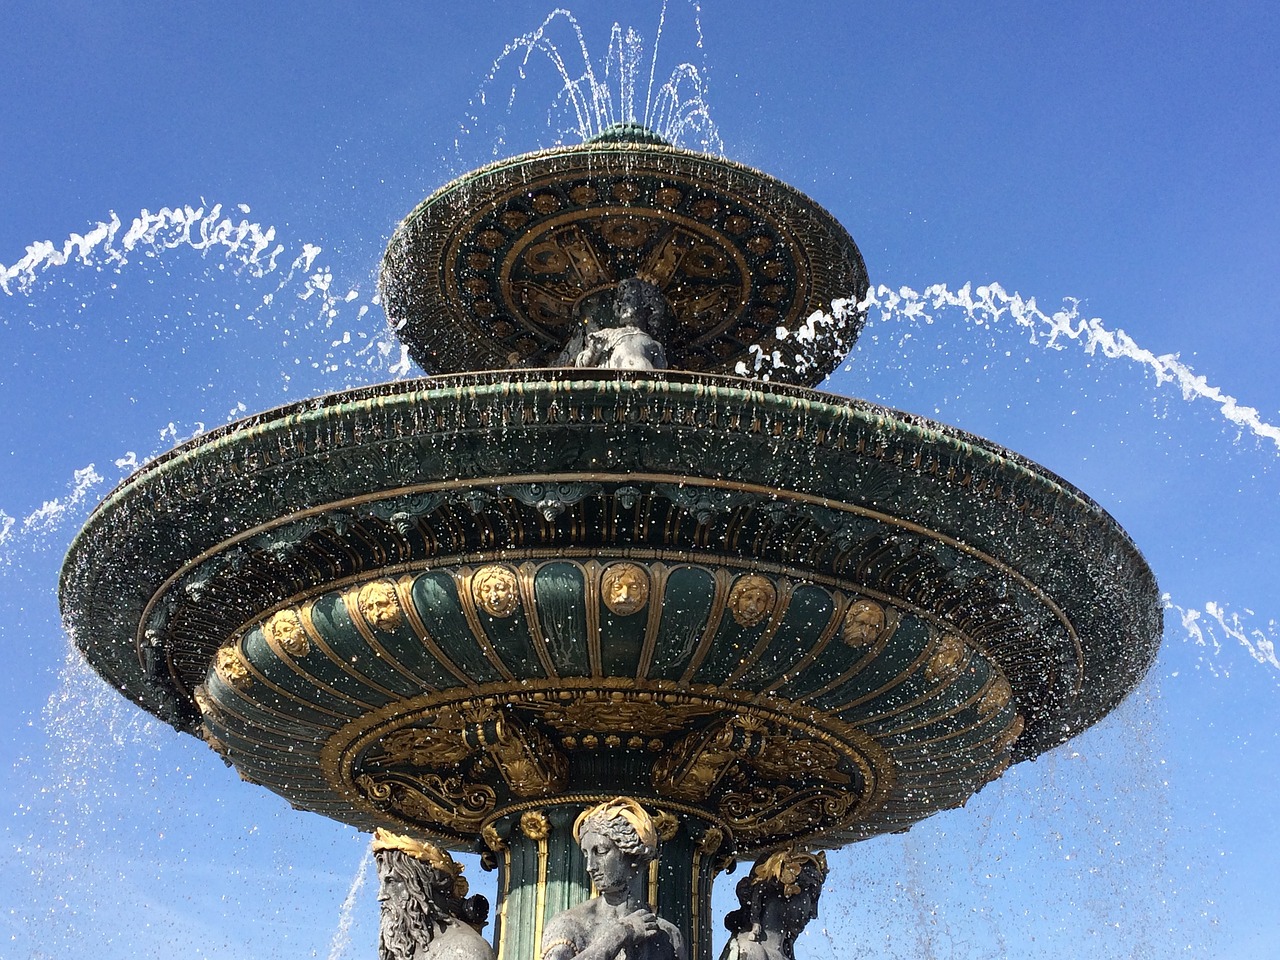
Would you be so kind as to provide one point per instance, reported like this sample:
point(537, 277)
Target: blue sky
point(1115, 160)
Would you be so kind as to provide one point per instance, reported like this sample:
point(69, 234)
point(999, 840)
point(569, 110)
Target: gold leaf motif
point(799, 761)
point(710, 841)
point(489, 834)
point(625, 588)
point(495, 592)
point(644, 718)
point(752, 599)
point(667, 825)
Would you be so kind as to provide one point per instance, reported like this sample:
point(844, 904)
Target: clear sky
point(1115, 160)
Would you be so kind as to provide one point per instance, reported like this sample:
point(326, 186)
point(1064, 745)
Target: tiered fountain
point(582, 559)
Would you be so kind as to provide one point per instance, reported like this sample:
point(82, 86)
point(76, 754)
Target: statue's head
point(420, 889)
point(640, 304)
point(618, 840)
point(780, 894)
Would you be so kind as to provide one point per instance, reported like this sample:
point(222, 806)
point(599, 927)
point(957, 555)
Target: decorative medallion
point(231, 667)
point(284, 631)
point(495, 590)
point(996, 698)
point(865, 624)
point(752, 599)
point(626, 588)
point(379, 605)
point(535, 825)
point(947, 658)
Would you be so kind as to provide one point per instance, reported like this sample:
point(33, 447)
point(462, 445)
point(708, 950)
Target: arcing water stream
point(1113, 846)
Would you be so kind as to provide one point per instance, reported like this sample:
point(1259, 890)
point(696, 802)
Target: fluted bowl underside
point(432, 604)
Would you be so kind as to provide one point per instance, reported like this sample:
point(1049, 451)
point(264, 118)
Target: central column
point(542, 872)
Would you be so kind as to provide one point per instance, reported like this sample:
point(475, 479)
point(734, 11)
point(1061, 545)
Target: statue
point(779, 897)
point(623, 334)
point(425, 909)
point(619, 841)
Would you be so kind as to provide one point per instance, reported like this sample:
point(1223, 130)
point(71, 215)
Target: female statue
point(619, 841)
point(779, 897)
point(425, 909)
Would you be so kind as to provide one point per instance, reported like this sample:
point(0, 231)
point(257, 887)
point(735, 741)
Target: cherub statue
point(778, 898)
point(619, 841)
point(624, 335)
point(425, 909)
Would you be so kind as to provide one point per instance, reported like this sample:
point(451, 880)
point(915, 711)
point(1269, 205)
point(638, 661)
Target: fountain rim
point(833, 403)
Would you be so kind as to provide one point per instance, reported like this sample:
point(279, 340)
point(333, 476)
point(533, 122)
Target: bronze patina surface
point(428, 605)
point(497, 268)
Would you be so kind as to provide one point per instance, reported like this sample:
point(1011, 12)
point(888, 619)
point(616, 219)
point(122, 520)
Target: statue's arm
point(600, 940)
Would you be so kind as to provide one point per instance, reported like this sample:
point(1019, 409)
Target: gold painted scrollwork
point(432, 800)
point(772, 812)
point(695, 765)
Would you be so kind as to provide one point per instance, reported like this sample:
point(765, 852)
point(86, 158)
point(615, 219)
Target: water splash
point(587, 97)
point(988, 306)
point(1213, 626)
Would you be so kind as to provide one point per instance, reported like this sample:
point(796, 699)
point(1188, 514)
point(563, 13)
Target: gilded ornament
point(379, 605)
point(785, 867)
point(752, 599)
point(535, 825)
point(284, 630)
point(495, 591)
point(207, 706)
point(946, 659)
point(231, 667)
point(526, 759)
point(492, 840)
point(667, 825)
point(997, 697)
point(711, 840)
point(578, 715)
point(864, 623)
point(693, 768)
point(625, 588)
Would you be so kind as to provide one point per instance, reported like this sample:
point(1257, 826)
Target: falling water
point(99, 783)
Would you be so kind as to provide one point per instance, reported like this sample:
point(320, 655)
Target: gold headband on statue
point(428, 853)
point(785, 867)
point(623, 808)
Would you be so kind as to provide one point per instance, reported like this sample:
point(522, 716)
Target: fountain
point(585, 558)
